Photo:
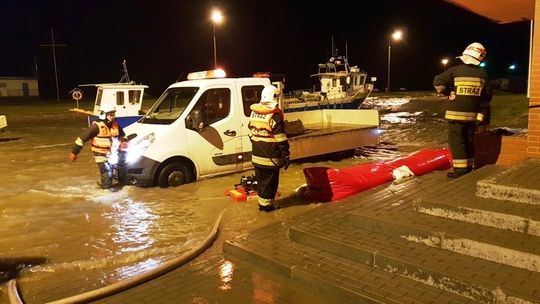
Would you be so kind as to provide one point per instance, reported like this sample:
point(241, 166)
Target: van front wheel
point(175, 174)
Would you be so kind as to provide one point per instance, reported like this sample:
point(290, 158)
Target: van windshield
point(170, 105)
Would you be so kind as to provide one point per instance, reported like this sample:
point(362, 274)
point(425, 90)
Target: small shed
point(19, 87)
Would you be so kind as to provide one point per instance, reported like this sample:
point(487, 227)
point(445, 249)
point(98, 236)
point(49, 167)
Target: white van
point(198, 129)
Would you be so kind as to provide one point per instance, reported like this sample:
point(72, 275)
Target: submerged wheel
point(174, 175)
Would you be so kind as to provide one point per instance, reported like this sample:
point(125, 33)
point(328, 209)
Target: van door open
point(214, 133)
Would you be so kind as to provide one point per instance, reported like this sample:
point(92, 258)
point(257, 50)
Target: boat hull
point(298, 105)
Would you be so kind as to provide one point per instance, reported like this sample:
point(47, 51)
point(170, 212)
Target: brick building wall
point(499, 149)
point(533, 136)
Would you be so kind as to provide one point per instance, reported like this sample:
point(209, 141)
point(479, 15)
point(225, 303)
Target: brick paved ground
point(347, 250)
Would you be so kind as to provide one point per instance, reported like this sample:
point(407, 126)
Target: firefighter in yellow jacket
point(103, 133)
point(469, 94)
point(270, 147)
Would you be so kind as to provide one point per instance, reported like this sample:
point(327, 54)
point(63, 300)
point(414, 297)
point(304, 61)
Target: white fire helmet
point(474, 53)
point(104, 109)
point(269, 95)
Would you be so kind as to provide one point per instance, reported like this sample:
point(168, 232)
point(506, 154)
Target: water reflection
point(131, 222)
point(226, 271)
point(385, 104)
point(401, 117)
point(263, 289)
point(129, 271)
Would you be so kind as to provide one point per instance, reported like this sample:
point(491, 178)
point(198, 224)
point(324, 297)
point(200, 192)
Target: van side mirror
point(195, 120)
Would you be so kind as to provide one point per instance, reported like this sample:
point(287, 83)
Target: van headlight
point(136, 150)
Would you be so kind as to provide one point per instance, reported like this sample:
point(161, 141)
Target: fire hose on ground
point(117, 287)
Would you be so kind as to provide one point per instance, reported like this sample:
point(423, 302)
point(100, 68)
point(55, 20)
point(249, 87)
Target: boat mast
point(333, 46)
point(125, 78)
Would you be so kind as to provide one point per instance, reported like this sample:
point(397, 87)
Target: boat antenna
point(346, 50)
point(125, 78)
point(332, 45)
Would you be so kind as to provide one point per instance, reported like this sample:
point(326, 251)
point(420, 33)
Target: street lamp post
point(395, 36)
point(444, 61)
point(217, 18)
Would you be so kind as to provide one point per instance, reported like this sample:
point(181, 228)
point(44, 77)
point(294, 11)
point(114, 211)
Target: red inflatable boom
point(328, 184)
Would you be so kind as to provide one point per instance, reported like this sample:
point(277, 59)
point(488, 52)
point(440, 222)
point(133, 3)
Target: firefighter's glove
point(123, 145)
point(286, 160)
point(452, 96)
point(72, 156)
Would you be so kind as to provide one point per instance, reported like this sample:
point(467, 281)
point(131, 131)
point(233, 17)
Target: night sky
point(163, 40)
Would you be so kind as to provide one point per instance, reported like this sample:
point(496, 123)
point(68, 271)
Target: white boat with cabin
point(125, 96)
point(340, 86)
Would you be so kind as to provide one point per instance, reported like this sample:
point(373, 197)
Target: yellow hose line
point(12, 294)
point(117, 287)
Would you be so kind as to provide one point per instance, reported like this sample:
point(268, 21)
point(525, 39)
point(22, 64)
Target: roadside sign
point(77, 95)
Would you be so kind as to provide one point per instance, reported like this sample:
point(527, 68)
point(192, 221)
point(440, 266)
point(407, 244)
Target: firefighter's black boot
point(266, 208)
point(458, 173)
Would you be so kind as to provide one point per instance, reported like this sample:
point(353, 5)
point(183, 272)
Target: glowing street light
point(217, 18)
point(512, 67)
point(397, 35)
point(444, 61)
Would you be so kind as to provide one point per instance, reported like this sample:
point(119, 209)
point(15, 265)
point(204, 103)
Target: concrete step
point(480, 280)
point(331, 275)
point(504, 247)
point(392, 210)
point(337, 261)
point(468, 207)
point(518, 184)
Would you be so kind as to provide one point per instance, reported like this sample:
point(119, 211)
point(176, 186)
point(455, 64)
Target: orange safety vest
point(103, 141)
point(260, 124)
point(264, 141)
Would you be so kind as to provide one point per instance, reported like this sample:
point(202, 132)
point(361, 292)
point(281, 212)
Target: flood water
point(54, 216)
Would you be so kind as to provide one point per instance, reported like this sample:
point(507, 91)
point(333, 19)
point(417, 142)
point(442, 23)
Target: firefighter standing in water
point(469, 94)
point(269, 145)
point(103, 132)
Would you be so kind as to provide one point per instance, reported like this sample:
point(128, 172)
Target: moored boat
point(125, 96)
point(340, 86)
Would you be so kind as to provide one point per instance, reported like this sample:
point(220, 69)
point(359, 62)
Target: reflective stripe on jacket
point(103, 141)
point(470, 85)
point(268, 137)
